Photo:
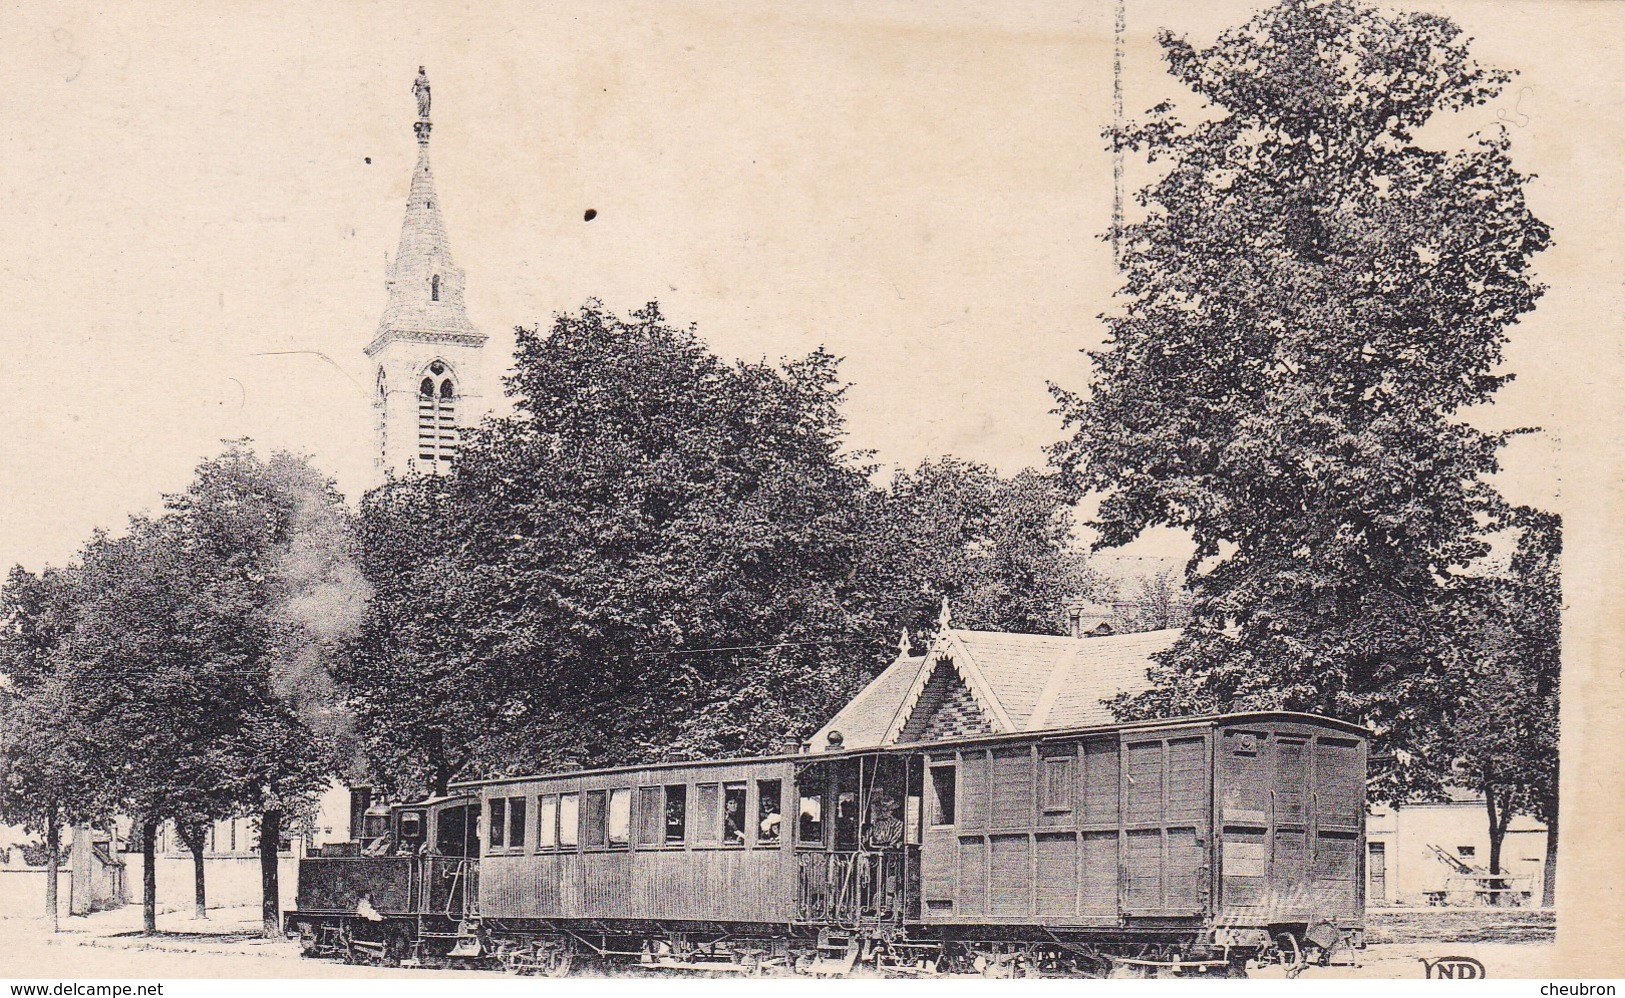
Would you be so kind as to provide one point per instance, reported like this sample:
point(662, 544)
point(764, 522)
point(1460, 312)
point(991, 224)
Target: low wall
point(22, 892)
point(228, 881)
point(1460, 925)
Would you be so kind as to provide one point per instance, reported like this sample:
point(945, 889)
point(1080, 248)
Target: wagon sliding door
point(1166, 806)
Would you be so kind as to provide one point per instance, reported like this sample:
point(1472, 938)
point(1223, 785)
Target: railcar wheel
point(1288, 950)
point(560, 962)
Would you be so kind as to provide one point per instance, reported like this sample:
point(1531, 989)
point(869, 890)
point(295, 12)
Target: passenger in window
point(812, 817)
point(885, 829)
point(847, 821)
point(733, 816)
point(768, 820)
point(676, 814)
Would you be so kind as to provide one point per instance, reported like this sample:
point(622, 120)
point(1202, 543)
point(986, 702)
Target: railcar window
point(1058, 783)
point(651, 816)
point(569, 819)
point(547, 822)
point(676, 814)
point(769, 817)
point(810, 824)
point(620, 817)
point(846, 820)
point(516, 822)
point(942, 795)
point(596, 815)
point(451, 832)
point(499, 822)
point(706, 797)
point(733, 814)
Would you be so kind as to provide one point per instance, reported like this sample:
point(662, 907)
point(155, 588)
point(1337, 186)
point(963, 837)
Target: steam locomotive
point(1183, 846)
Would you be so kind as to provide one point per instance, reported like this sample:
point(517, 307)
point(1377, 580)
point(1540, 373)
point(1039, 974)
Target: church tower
point(426, 354)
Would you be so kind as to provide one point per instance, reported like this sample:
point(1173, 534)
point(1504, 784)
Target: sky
point(197, 207)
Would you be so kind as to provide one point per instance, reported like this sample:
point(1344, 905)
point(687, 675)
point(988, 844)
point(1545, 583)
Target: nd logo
point(1458, 968)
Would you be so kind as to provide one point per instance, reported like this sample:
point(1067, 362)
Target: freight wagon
point(1174, 846)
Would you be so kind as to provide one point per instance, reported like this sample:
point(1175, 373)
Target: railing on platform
point(851, 887)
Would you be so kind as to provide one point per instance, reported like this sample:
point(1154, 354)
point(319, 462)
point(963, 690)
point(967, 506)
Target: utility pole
point(1117, 135)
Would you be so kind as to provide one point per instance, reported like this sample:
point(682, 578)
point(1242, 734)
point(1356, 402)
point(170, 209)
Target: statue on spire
point(420, 90)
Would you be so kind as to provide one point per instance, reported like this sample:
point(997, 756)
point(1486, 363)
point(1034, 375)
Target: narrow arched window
point(448, 421)
point(437, 418)
point(383, 419)
point(434, 288)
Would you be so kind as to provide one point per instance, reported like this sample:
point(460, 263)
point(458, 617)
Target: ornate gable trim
point(948, 649)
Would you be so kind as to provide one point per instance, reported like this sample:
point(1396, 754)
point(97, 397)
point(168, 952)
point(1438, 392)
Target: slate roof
point(1030, 682)
point(1117, 665)
point(864, 720)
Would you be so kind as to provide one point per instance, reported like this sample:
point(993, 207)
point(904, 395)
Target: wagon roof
point(1046, 735)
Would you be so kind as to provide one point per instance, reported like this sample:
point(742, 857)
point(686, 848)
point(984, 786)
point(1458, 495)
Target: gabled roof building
point(993, 682)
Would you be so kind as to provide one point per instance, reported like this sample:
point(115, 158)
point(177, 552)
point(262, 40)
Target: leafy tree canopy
point(1309, 303)
point(665, 554)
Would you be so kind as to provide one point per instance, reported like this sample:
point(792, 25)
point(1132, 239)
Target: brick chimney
point(1092, 620)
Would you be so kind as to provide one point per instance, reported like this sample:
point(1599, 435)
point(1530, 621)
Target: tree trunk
point(53, 841)
point(439, 765)
point(270, 892)
point(1548, 879)
point(149, 876)
point(195, 835)
point(1495, 843)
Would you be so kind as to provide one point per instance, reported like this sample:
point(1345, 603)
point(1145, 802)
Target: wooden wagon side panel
point(1337, 884)
point(615, 858)
point(1291, 813)
point(1058, 876)
point(1166, 808)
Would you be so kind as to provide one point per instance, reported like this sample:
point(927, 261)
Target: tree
point(1503, 725)
point(272, 593)
point(422, 691)
point(151, 707)
point(43, 785)
point(999, 548)
point(650, 524)
point(1309, 304)
point(193, 663)
point(1154, 602)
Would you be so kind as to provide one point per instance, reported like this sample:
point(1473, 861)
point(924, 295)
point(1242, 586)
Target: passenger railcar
point(1168, 846)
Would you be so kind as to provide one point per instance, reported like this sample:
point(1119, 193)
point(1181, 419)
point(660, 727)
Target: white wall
point(22, 892)
point(1413, 869)
point(228, 881)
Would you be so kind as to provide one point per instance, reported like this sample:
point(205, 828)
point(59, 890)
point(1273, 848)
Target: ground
point(109, 945)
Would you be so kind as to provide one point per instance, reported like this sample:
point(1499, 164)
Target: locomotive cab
point(419, 872)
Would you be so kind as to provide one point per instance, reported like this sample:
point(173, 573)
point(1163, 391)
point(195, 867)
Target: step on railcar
point(1178, 846)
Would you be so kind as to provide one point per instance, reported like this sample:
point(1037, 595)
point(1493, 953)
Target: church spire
point(426, 349)
point(425, 285)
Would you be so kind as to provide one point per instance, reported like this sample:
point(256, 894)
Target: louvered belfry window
point(437, 418)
